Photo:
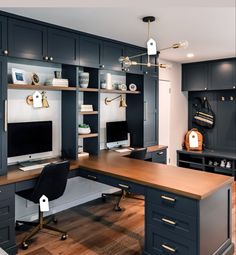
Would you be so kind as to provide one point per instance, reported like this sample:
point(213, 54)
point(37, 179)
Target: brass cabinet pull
point(6, 115)
point(123, 186)
point(168, 248)
point(168, 198)
point(171, 222)
point(160, 153)
point(92, 177)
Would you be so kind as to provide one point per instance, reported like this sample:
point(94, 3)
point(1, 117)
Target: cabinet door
point(150, 111)
point(89, 51)
point(63, 46)
point(3, 35)
point(110, 56)
point(3, 117)
point(131, 51)
point(194, 76)
point(222, 74)
point(26, 39)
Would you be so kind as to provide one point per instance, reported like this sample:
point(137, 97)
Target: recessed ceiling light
point(190, 55)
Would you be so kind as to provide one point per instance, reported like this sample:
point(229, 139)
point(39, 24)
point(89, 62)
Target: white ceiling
point(208, 25)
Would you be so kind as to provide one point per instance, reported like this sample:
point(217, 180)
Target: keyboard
point(33, 167)
point(123, 150)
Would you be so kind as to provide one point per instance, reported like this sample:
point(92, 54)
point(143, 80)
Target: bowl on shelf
point(84, 129)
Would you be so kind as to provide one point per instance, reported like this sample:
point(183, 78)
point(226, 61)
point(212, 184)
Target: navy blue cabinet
point(27, 40)
point(63, 46)
point(132, 51)
point(194, 76)
point(3, 36)
point(110, 54)
point(3, 115)
point(89, 51)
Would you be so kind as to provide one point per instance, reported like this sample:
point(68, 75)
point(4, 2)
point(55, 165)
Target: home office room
point(118, 127)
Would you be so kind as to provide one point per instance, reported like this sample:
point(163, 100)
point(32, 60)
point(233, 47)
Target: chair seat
point(27, 194)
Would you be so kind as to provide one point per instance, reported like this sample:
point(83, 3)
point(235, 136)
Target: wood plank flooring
point(94, 229)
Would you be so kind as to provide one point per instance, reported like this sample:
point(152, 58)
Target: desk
point(181, 206)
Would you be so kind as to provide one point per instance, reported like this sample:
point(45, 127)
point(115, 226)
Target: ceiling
point(209, 26)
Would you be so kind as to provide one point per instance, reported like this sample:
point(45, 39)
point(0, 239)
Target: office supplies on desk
point(33, 167)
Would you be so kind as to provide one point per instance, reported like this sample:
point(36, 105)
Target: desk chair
point(51, 183)
point(135, 154)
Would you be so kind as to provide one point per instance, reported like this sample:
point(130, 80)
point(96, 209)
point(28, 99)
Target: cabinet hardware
point(46, 57)
point(168, 198)
point(6, 115)
point(5, 52)
point(171, 222)
point(145, 110)
point(205, 88)
point(92, 177)
point(0, 191)
point(234, 87)
point(168, 248)
point(51, 58)
point(160, 153)
point(102, 66)
point(123, 186)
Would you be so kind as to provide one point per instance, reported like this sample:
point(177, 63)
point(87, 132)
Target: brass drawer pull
point(123, 186)
point(171, 222)
point(168, 248)
point(168, 198)
point(92, 177)
point(160, 153)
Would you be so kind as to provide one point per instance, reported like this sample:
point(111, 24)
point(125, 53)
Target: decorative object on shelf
point(84, 129)
point(109, 81)
point(122, 86)
point(35, 79)
point(57, 82)
point(126, 61)
point(83, 79)
point(122, 101)
point(132, 87)
point(44, 100)
point(80, 149)
point(57, 74)
point(18, 76)
point(83, 154)
point(193, 140)
point(103, 84)
point(86, 108)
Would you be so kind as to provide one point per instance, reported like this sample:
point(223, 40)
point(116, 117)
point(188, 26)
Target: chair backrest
point(51, 182)
point(138, 153)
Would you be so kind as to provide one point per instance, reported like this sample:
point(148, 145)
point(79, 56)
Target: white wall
point(178, 108)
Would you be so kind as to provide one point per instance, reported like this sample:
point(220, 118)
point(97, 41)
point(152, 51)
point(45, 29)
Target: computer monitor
point(26, 138)
point(117, 133)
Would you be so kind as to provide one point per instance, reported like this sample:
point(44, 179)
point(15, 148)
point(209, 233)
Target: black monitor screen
point(29, 137)
point(117, 131)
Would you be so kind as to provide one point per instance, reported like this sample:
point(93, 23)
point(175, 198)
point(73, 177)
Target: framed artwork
point(18, 76)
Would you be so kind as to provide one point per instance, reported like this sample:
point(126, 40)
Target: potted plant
point(84, 129)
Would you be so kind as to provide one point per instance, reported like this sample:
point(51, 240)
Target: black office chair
point(51, 183)
point(135, 154)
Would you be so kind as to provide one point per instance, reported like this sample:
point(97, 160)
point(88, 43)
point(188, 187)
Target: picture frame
point(18, 76)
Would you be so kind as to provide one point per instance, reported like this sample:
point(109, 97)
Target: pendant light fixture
point(128, 61)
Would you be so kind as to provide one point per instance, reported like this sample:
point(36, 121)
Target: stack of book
point(86, 108)
point(57, 82)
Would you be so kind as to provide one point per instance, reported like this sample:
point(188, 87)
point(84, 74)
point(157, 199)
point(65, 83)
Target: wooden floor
point(94, 229)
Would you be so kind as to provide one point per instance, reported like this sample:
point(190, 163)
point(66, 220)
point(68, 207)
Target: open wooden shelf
point(88, 135)
point(88, 113)
point(39, 87)
point(116, 91)
point(88, 90)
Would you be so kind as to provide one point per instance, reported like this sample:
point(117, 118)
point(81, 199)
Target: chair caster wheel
point(17, 226)
point(104, 198)
point(64, 237)
point(24, 246)
point(117, 209)
point(54, 221)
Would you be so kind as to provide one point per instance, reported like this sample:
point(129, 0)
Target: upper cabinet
point(89, 51)
point(222, 74)
point(63, 46)
point(3, 36)
point(209, 75)
point(110, 56)
point(194, 76)
point(130, 52)
point(26, 40)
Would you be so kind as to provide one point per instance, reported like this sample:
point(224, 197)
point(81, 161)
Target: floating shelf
point(88, 113)
point(39, 87)
point(116, 91)
point(89, 135)
point(88, 90)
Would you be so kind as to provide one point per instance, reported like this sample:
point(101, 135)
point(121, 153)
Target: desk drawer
point(168, 221)
point(159, 156)
point(172, 201)
point(7, 191)
point(7, 233)
point(92, 176)
point(157, 243)
point(7, 208)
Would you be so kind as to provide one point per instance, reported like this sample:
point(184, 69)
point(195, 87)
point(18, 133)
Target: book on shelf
point(86, 108)
point(57, 82)
point(83, 154)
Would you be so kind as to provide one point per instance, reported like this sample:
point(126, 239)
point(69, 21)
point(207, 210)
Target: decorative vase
point(84, 131)
point(83, 79)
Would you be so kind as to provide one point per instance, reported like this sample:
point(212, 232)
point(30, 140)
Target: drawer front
point(7, 209)
point(172, 201)
point(157, 243)
point(159, 156)
point(91, 175)
point(7, 191)
point(171, 222)
point(7, 233)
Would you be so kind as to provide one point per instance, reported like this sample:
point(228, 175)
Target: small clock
point(132, 87)
point(35, 79)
